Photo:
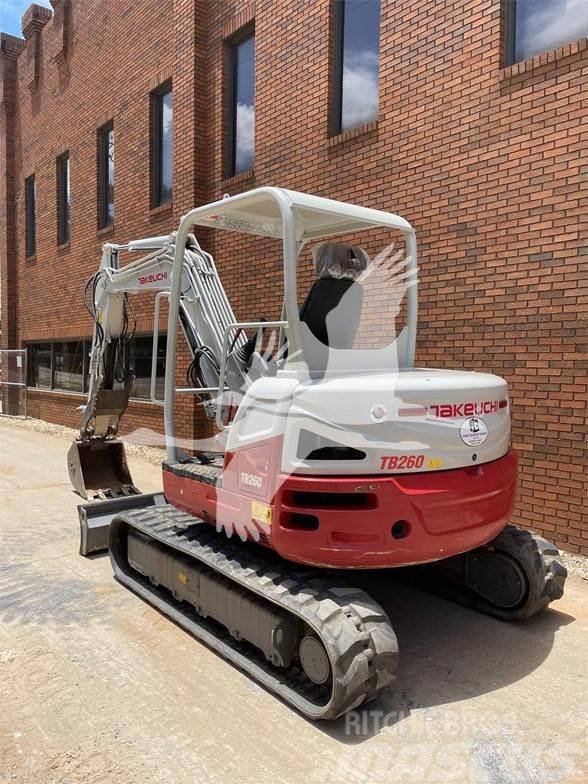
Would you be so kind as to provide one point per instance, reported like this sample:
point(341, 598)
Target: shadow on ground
point(34, 596)
point(448, 653)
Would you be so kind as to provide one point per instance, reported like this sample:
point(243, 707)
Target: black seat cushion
point(326, 295)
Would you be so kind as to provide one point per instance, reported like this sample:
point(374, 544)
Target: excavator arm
point(97, 461)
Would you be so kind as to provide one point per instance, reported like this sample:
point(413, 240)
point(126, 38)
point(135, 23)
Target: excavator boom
point(97, 462)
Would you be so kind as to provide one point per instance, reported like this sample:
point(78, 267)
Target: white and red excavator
point(332, 452)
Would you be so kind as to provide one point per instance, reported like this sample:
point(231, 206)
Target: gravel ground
point(575, 564)
point(136, 447)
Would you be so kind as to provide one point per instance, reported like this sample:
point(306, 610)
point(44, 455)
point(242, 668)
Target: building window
point(64, 365)
point(536, 26)
point(357, 56)
point(39, 365)
point(241, 113)
point(63, 199)
point(106, 176)
point(30, 216)
point(162, 145)
point(68, 366)
point(138, 361)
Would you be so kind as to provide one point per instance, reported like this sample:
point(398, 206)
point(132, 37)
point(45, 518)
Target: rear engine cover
point(404, 422)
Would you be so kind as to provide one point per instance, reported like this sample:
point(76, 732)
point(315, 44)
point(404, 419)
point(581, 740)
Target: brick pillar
point(62, 20)
point(190, 105)
point(32, 23)
point(9, 51)
point(10, 47)
point(191, 158)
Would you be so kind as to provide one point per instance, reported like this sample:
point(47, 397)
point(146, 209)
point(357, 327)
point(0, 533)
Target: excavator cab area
point(337, 323)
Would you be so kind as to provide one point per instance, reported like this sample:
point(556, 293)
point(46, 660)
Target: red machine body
point(350, 521)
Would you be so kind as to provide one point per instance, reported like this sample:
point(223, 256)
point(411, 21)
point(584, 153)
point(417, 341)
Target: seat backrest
point(338, 268)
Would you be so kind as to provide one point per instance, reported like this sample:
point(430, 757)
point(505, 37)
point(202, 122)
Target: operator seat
point(338, 267)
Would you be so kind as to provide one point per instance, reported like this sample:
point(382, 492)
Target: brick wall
point(489, 164)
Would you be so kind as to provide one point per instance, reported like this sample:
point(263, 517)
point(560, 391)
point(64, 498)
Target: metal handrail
point(158, 298)
point(23, 384)
point(225, 355)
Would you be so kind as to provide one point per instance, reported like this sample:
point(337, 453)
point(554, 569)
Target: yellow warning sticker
point(261, 512)
point(183, 578)
point(435, 462)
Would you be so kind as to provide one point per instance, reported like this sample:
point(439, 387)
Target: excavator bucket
point(98, 470)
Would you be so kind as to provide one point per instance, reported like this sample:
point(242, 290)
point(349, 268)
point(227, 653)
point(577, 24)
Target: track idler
point(513, 577)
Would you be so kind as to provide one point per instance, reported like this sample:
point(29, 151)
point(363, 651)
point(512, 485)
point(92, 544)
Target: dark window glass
point(241, 120)
point(87, 352)
point(541, 25)
point(30, 216)
point(63, 199)
point(68, 366)
point(357, 63)
point(139, 354)
point(40, 365)
point(162, 139)
point(106, 176)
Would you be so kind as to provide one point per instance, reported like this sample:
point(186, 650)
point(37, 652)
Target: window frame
point(86, 349)
point(103, 218)
point(31, 364)
point(127, 360)
point(509, 16)
point(336, 119)
point(509, 37)
point(157, 97)
point(338, 57)
point(30, 216)
point(63, 184)
point(55, 369)
point(231, 45)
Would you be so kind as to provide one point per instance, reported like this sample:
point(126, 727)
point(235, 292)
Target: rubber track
point(539, 560)
point(355, 631)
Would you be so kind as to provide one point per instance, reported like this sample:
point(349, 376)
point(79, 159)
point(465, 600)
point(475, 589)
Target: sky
point(11, 12)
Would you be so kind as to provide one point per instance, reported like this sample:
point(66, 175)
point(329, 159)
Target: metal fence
point(13, 383)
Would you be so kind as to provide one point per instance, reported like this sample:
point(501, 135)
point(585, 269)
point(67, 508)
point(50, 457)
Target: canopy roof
point(262, 212)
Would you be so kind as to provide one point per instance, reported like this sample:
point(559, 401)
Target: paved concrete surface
point(97, 687)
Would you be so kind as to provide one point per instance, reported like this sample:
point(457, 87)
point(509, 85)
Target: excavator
point(332, 452)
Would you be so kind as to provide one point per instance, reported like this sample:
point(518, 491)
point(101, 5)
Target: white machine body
point(412, 420)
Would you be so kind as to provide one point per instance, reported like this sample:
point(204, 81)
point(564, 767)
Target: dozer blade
point(95, 518)
point(98, 469)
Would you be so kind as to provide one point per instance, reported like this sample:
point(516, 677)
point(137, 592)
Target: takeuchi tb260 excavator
point(332, 452)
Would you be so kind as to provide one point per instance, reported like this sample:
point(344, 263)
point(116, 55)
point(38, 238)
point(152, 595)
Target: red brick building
point(468, 119)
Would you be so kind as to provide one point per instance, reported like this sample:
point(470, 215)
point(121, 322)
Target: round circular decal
point(473, 431)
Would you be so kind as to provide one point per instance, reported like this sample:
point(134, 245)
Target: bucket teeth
point(98, 469)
